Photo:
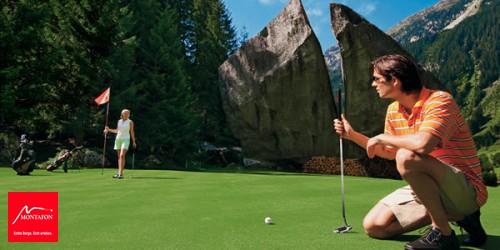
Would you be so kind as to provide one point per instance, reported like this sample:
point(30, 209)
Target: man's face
point(383, 86)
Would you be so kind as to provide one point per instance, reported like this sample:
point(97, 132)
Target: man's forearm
point(362, 141)
point(421, 143)
point(359, 139)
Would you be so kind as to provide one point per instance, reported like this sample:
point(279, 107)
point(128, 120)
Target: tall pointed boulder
point(276, 91)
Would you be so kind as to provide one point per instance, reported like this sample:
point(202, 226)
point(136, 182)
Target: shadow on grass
point(40, 175)
point(253, 172)
point(405, 238)
point(152, 177)
point(492, 243)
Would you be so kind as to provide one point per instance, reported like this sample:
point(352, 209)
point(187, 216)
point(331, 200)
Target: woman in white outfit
point(124, 131)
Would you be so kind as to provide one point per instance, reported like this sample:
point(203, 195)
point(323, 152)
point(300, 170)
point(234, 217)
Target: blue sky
point(254, 15)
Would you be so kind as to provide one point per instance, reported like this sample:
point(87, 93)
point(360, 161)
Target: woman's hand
point(106, 129)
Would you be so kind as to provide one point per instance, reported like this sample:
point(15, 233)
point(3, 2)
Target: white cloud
point(315, 9)
point(314, 12)
point(269, 2)
point(367, 8)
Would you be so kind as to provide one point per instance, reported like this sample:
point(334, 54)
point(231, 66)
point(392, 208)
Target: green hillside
point(467, 60)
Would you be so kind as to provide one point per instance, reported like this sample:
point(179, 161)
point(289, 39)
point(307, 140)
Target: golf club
point(345, 228)
point(133, 161)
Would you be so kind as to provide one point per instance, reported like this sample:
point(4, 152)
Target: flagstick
point(104, 148)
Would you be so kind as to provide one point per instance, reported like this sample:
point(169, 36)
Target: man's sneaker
point(434, 239)
point(116, 176)
point(119, 177)
point(472, 225)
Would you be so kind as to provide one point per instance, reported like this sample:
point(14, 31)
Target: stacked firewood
point(352, 167)
point(331, 165)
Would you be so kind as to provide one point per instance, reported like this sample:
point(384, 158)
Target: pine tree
point(29, 66)
point(165, 121)
point(87, 31)
point(212, 40)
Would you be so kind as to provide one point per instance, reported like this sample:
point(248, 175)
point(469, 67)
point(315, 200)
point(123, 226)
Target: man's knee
point(405, 160)
point(375, 231)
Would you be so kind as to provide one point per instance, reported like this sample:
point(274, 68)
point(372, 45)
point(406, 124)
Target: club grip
point(339, 103)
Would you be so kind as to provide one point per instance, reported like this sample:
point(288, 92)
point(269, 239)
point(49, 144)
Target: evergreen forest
point(160, 59)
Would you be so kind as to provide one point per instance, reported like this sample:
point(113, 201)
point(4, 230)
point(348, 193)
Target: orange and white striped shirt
point(437, 113)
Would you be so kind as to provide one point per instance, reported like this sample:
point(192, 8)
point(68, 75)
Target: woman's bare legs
point(121, 160)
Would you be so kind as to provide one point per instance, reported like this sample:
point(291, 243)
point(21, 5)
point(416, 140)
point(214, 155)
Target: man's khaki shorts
point(457, 195)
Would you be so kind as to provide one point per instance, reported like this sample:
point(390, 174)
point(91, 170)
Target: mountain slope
point(445, 14)
point(467, 60)
point(471, 10)
point(422, 24)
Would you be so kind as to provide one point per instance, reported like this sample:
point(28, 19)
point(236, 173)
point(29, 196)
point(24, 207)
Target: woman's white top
point(123, 129)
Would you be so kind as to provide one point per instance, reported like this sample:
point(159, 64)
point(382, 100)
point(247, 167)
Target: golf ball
point(268, 220)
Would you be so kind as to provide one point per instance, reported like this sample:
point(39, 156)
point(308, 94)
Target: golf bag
point(62, 159)
point(24, 163)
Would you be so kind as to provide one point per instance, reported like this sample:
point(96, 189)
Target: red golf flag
point(103, 98)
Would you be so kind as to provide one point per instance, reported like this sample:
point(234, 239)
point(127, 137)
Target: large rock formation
point(360, 43)
point(276, 91)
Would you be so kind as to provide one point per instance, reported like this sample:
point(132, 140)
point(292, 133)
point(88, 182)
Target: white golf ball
point(268, 220)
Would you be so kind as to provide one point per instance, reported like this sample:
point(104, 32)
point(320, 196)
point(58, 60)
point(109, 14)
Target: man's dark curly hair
point(400, 67)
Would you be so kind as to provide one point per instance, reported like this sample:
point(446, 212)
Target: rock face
point(360, 43)
point(276, 92)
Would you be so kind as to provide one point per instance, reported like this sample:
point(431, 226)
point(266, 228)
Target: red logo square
point(33, 216)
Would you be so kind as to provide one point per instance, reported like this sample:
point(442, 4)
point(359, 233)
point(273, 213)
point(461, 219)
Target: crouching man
point(425, 132)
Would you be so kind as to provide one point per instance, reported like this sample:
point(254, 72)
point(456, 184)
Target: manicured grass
point(211, 210)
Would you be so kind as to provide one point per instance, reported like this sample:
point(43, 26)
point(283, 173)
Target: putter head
point(343, 229)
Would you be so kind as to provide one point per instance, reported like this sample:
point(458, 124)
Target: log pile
point(331, 165)
point(352, 167)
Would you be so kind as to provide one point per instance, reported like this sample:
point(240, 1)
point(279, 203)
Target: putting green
point(158, 209)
